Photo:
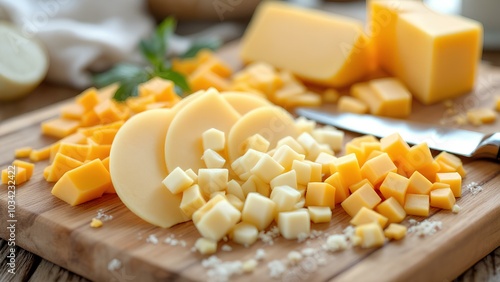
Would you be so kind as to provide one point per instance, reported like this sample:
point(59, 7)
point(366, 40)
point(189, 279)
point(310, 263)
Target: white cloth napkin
point(81, 35)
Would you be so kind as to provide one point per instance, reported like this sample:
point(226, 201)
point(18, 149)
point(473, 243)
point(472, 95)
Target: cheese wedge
point(318, 47)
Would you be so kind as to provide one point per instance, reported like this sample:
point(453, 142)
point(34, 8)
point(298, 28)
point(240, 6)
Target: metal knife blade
point(456, 141)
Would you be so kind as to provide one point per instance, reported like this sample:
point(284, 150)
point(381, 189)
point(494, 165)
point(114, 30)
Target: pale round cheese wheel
point(23, 63)
point(244, 102)
point(183, 143)
point(273, 123)
point(137, 167)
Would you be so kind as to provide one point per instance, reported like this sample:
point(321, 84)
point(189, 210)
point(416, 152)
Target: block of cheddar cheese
point(318, 47)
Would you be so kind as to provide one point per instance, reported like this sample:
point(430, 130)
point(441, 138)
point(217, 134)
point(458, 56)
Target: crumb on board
point(114, 264)
point(96, 223)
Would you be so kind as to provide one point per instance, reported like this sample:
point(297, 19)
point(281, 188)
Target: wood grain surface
point(51, 229)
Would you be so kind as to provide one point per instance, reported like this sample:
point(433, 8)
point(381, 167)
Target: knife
point(457, 141)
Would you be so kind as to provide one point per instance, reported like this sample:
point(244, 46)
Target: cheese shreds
point(152, 239)
point(425, 227)
point(474, 188)
point(336, 242)
point(276, 268)
point(269, 236)
point(114, 264)
point(101, 215)
point(260, 254)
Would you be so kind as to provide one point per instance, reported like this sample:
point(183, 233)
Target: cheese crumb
point(269, 236)
point(276, 268)
point(152, 239)
point(336, 242)
point(101, 214)
point(474, 188)
point(260, 254)
point(95, 223)
point(226, 248)
point(294, 257)
point(456, 208)
point(425, 227)
point(249, 265)
point(308, 252)
point(114, 264)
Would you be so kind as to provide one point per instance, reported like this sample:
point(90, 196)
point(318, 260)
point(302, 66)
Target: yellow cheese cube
point(438, 54)
point(250, 185)
point(333, 137)
point(377, 168)
point(394, 146)
point(16, 178)
point(214, 139)
point(108, 112)
point(234, 188)
point(478, 116)
point(82, 184)
point(348, 167)
point(305, 125)
point(258, 210)
point(212, 159)
point(246, 162)
point(453, 179)
point(244, 233)
point(270, 33)
point(429, 171)
point(394, 100)
point(351, 148)
point(363, 197)
point(316, 171)
point(391, 209)
point(287, 91)
point(40, 154)
point(205, 246)
point(23, 152)
point(286, 179)
point(395, 231)
point(285, 156)
point(320, 194)
point(419, 184)
point(320, 214)
point(341, 191)
point(365, 93)
point(303, 171)
point(89, 131)
point(366, 215)
point(442, 198)
point(351, 105)
point(177, 181)
point(215, 221)
point(310, 145)
point(90, 118)
point(452, 161)
point(192, 200)
point(60, 166)
point(419, 155)
point(285, 198)
point(439, 185)
point(368, 148)
point(360, 184)
point(292, 143)
point(307, 99)
point(325, 159)
point(267, 168)
point(212, 179)
point(395, 185)
point(370, 234)
point(235, 201)
point(293, 224)
point(59, 127)
point(88, 98)
point(330, 95)
point(96, 223)
point(29, 167)
point(417, 204)
point(98, 152)
point(256, 142)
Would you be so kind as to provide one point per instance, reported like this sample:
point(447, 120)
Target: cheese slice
point(137, 167)
point(318, 47)
point(183, 142)
point(272, 123)
point(23, 63)
point(244, 102)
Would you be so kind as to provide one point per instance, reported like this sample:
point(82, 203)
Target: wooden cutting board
point(60, 233)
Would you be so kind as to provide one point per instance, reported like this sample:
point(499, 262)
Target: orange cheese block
point(318, 47)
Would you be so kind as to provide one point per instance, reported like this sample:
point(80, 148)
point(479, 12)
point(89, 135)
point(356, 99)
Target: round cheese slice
point(137, 167)
point(244, 102)
point(183, 143)
point(23, 63)
point(273, 123)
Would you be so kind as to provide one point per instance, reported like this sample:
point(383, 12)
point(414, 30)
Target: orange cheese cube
point(341, 191)
point(330, 95)
point(348, 167)
point(417, 204)
point(60, 166)
point(320, 194)
point(377, 168)
point(161, 89)
point(439, 185)
point(73, 111)
point(88, 98)
point(29, 167)
point(104, 137)
point(391, 209)
point(429, 171)
point(90, 118)
point(419, 155)
point(203, 79)
point(360, 184)
point(75, 151)
point(82, 184)
point(108, 112)
point(40, 154)
point(98, 152)
point(394, 146)
point(366, 215)
point(89, 131)
point(395, 185)
point(393, 99)
point(16, 178)
point(269, 34)
point(453, 179)
point(351, 105)
point(23, 152)
point(419, 184)
point(395, 231)
point(371, 235)
point(363, 197)
point(452, 161)
point(59, 127)
point(442, 198)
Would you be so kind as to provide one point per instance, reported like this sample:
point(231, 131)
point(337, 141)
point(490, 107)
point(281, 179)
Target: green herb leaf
point(208, 43)
point(155, 47)
point(118, 73)
point(177, 78)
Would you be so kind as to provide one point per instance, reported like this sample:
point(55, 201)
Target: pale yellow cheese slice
point(272, 123)
point(244, 102)
point(183, 142)
point(137, 167)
